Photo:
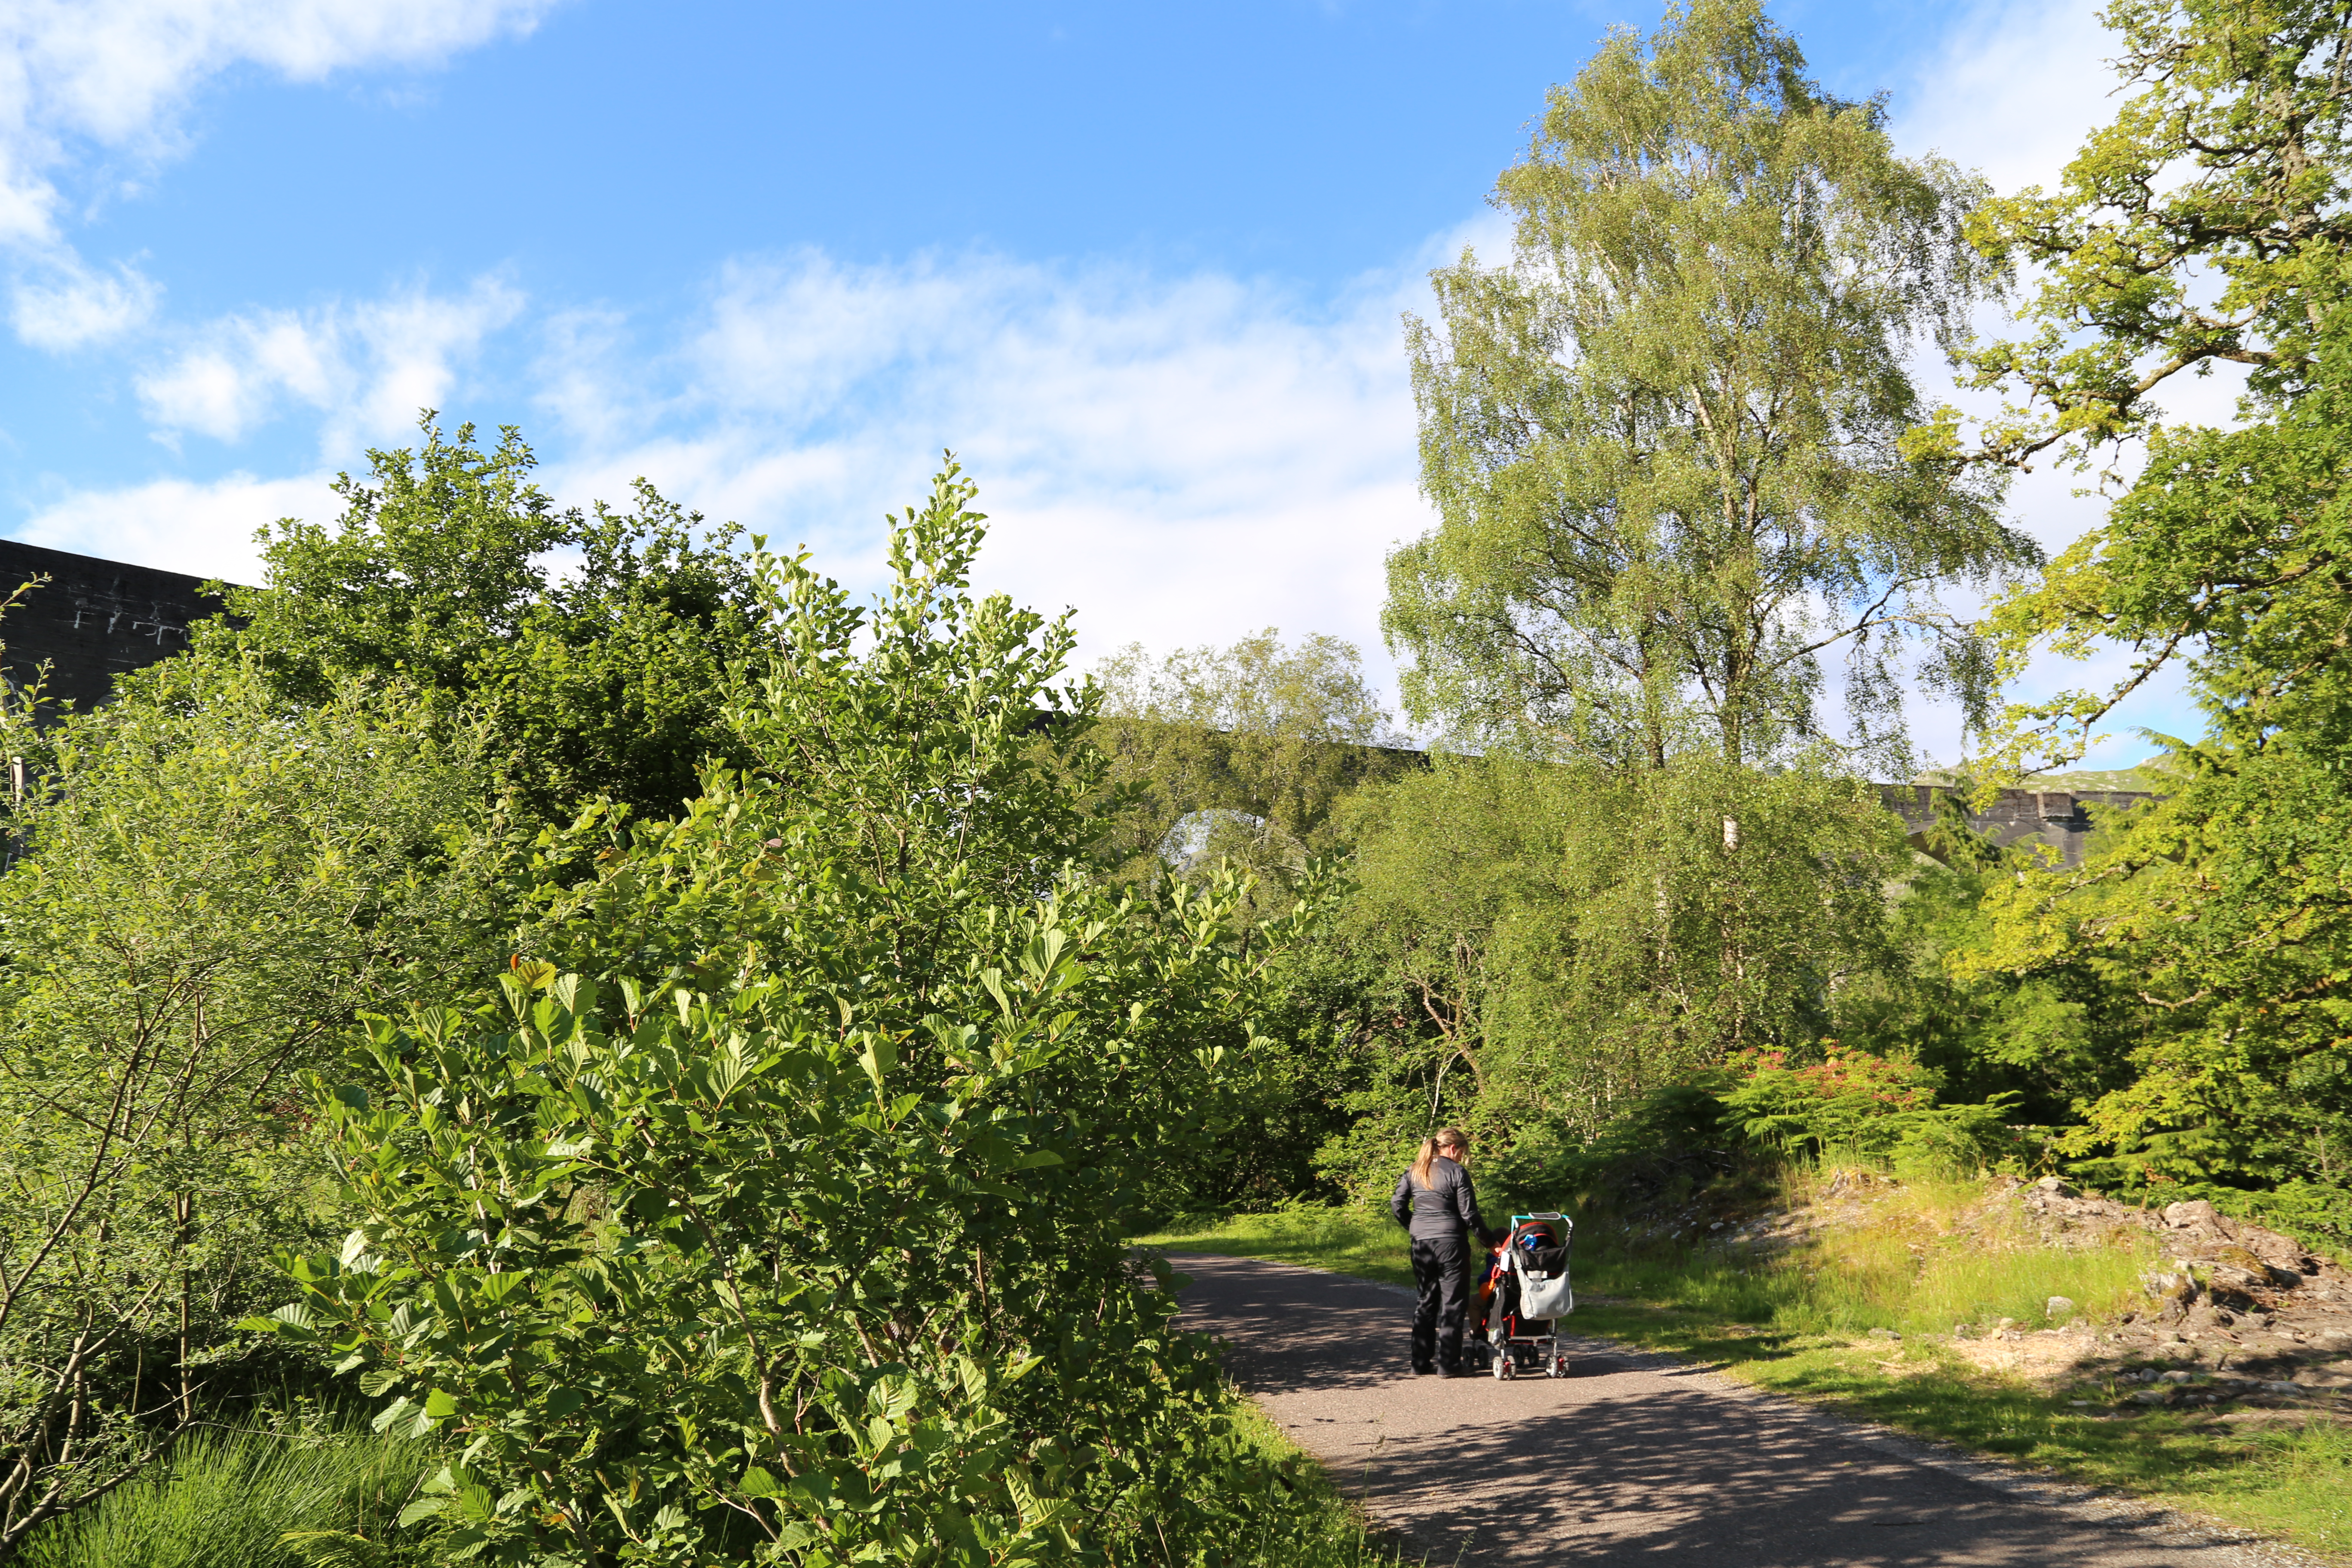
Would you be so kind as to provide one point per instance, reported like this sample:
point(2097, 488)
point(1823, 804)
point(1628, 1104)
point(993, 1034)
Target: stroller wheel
point(1559, 1366)
point(1507, 1367)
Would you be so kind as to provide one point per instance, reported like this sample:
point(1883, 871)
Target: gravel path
point(1635, 1458)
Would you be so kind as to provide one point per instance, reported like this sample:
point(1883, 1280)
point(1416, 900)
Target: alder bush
point(207, 883)
point(773, 1210)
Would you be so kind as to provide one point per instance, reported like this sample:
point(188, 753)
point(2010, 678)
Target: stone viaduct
point(92, 620)
point(95, 619)
point(2059, 818)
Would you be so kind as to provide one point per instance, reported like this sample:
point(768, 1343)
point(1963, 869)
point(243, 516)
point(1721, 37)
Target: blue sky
point(1141, 266)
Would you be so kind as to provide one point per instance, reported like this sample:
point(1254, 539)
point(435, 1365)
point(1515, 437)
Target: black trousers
point(1441, 1268)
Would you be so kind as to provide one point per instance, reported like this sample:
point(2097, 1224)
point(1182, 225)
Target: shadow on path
point(1628, 1460)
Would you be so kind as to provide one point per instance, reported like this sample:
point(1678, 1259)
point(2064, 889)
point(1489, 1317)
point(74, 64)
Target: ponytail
point(1450, 1137)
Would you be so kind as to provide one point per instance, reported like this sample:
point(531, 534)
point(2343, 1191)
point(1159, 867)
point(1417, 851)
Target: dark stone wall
point(2059, 818)
point(92, 620)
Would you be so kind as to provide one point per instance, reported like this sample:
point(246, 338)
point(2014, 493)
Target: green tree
point(595, 646)
point(1558, 942)
point(1245, 758)
point(216, 881)
point(2227, 552)
point(1663, 439)
point(1240, 753)
point(787, 1225)
point(2051, 1043)
point(2204, 224)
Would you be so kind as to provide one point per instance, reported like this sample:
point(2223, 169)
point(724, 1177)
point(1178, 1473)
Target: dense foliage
point(218, 880)
point(1237, 755)
point(776, 1213)
point(696, 1047)
point(593, 646)
point(2220, 914)
point(1663, 439)
point(1560, 942)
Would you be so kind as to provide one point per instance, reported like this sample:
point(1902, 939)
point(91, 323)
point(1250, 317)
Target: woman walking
point(1438, 1208)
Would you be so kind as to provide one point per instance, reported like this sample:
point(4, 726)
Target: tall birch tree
point(1662, 438)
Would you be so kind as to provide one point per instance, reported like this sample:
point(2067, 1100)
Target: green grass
point(228, 1499)
point(1345, 1241)
point(1797, 1326)
point(1912, 1267)
point(1337, 1534)
point(234, 1499)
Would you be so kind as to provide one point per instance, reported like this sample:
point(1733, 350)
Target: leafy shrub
point(775, 1213)
point(1856, 1105)
point(1673, 1141)
point(217, 882)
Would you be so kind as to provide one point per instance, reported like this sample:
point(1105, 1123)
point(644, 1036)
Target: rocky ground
point(2236, 1317)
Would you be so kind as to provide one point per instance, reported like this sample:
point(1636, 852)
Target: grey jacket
point(1447, 1208)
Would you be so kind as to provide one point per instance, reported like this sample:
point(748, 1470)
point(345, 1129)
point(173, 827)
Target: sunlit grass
point(1894, 1272)
point(1343, 1536)
point(1901, 1270)
point(229, 1499)
point(1347, 1241)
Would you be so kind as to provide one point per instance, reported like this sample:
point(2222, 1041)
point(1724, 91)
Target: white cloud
point(179, 525)
point(1185, 461)
point(73, 306)
point(86, 82)
point(2012, 89)
point(367, 368)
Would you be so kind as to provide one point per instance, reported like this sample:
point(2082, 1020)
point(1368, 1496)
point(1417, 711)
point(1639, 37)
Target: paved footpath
point(1633, 1458)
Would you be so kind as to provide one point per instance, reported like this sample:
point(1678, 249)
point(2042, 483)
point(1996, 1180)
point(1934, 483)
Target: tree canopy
point(2202, 226)
point(1663, 439)
point(595, 645)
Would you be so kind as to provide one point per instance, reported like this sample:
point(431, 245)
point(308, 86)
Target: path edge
point(2102, 1507)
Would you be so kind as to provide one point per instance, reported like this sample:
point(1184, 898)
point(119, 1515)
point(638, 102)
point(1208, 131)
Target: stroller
point(1525, 1294)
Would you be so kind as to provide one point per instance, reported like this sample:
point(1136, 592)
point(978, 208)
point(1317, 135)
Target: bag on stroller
point(1525, 1294)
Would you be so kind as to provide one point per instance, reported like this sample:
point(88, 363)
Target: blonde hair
point(1444, 1138)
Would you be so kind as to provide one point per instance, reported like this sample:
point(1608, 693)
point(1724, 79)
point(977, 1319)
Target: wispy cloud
point(2012, 89)
point(64, 304)
point(364, 369)
point(97, 88)
point(204, 529)
point(1183, 459)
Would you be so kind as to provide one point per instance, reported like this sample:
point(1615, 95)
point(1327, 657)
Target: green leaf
point(423, 1509)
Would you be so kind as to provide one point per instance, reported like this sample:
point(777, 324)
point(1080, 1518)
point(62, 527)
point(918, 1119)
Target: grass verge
point(231, 1499)
point(1340, 1535)
point(1798, 1324)
point(323, 1497)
